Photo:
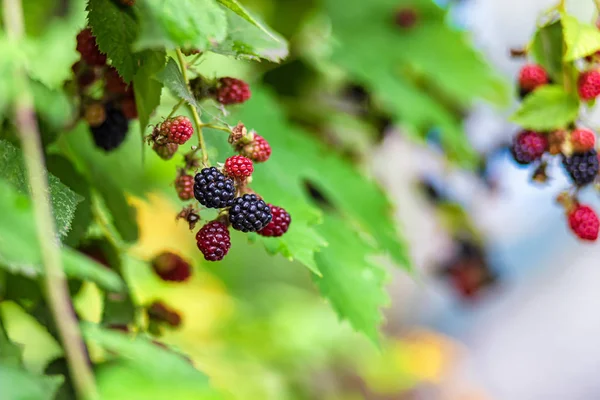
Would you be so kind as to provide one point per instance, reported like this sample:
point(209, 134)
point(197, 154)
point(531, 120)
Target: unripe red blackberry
point(406, 17)
point(114, 83)
point(165, 151)
point(128, 3)
point(528, 146)
point(532, 76)
point(129, 107)
point(88, 48)
point(190, 51)
point(177, 130)
point(213, 241)
point(213, 189)
point(84, 74)
point(258, 150)
point(248, 213)
point(238, 167)
point(94, 114)
point(232, 91)
point(184, 184)
point(279, 224)
point(584, 222)
point(111, 133)
point(583, 140)
point(588, 85)
point(582, 167)
point(160, 312)
point(170, 267)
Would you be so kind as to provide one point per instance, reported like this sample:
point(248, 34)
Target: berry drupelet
point(280, 223)
point(582, 167)
point(528, 146)
point(248, 213)
point(213, 241)
point(213, 189)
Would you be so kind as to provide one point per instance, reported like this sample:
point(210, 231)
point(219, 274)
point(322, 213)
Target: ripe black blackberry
point(111, 133)
point(582, 167)
point(249, 213)
point(213, 189)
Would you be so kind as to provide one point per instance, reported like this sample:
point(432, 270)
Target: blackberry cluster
point(112, 132)
point(213, 189)
point(249, 213)
point(582, 167)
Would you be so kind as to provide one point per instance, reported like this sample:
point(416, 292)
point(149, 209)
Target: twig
point(175, 108)
point(54, 278)
point(195, 115)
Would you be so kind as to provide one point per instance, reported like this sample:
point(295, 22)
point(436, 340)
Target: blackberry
point(584, 222)
point(528, 146)
point(249, 213)
point(532, 76)
point(280, 223)
point(238, 167)
point(213, 241)
point(171, 267)
point(88, 48)
point(184, 185)
point(213, 189)
point(232, 91)
point(162, 313)
point(582, 167)
point(111, 133)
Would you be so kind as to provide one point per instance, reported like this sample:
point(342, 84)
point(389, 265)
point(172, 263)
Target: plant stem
point(219, 128)
point(195, 115)
point(175, 108)
point(54, 279)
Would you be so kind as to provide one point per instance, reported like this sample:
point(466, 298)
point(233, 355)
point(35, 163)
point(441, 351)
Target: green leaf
point(64, 200)
point(172, 78)
point(189, 24)
point(548, 107)
point(115, 29)
point(547, 49)
point(10, 354)
point(20, 249)
point(581, 39)
point(19, 384)
point(240, 10)
point(146, 370)
point(148, 90)
point(245, 40)
point(351, 282)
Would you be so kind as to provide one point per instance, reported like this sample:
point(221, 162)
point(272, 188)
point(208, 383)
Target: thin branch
point(175, 108)
point(195, 115)
point(54, 278)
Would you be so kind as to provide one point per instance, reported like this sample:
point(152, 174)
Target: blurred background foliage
point(255, 324)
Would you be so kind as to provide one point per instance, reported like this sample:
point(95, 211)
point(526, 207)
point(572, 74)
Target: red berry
point(84, 74)
point(589, 85)
point(213, 240)
point(532, 76)
point(88, 48)
point(177, 130)
point(160, 312)
point(114, 83)
point(232, 91)
point(128, 3)
point(406, 17)
point(258, 150)
point(129, 107)
point(170, 267)
point(184, 185)
point(279, 224)
point(583, 140)
point(584, 222)
point(528, 146)
point(238, 167)
point(165, 151)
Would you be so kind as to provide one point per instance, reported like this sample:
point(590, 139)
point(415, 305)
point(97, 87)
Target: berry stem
point(175, 108)
point(54, 277)
point(195, 115)
point(217, 127)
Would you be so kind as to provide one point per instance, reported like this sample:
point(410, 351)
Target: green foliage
point(64, 200)
point(19, 384)
point(172, 78)
point(147, 89)
point(547, 49)
point(548, 107)
point(580, 39)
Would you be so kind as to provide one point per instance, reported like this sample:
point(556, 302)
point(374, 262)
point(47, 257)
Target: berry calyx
point(248, 213)
point(88, 48)
point(406, 17)
point(184, 185)
point(583, 139)
point(584, 222)
point(213, 189)
point(582, 167)
point(160, 312)
point(165, 151)
point(177, 130)
point(111, 133)
point(532, 76)
point(258, 150)
point(232, 91)
point(238, 167)
point(528, 146)
point(280, 223)
point(556, 140)
point(95, 114)
point(170, 267)
point(213, 241)
point(588, 85)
